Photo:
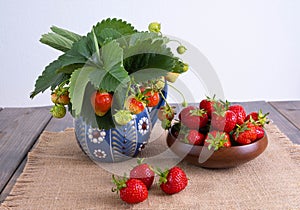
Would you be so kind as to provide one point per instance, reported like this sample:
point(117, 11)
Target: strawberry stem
point(184, 103)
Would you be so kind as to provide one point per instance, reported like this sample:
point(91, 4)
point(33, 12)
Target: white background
point(253, 45)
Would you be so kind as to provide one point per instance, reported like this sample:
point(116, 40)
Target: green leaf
point(111, 72)
point(65, 33)
point(145, 75)
point(144, 52)
point(56, 41)
point(78, 83)
point(110, 29)
point(108, 34)
point(147, 46)
point(118, 25)
point(61, 39)
point(49, 78)
point(81, 52)
point(70, 68)
point(142, 36)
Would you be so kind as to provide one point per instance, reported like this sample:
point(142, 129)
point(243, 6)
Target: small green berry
point(181, 49)
point(154, 27)
point(58, 111)
point(185, 67)
point(122, 117)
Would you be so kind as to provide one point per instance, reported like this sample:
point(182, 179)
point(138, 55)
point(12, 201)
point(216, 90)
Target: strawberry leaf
point(67, 34)
point(78, 83)
point(60, 39)
point(112, 28)
point(144, 52)
point(81, 52)
point(110, 72)
point(56, 41)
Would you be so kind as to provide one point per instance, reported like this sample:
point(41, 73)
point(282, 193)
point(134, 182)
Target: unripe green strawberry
point(122, 117)
point(58, 111)
point(154, 27)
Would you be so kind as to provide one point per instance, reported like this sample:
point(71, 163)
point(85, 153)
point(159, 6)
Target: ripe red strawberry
point(101, 102)
point(260, 118)
point(194, 137)
point(259, 132)
point(217, 140)
point(223, 119)
point(143, 172)
point(245, 133)
point(131, 190)
point(240, 113)
point(173, 180)
point(207, 105)
point(193, 117)
point(151, 97)
point(134, 105)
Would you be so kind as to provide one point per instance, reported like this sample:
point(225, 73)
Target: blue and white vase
point(120, 143)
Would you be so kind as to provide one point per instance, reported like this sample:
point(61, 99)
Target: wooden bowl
point(222, 158)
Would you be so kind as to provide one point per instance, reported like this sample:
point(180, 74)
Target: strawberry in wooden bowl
point(228, 139)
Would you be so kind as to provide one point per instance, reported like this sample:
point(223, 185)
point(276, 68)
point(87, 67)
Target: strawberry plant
point(110, 58)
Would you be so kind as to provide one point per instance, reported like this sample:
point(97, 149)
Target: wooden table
point(21, 127)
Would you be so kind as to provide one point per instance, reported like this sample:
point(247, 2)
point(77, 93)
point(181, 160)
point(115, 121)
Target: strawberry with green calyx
point(154, 27)
point(101, 102)
point(194, 137)
point(143, 172)
point(173, 180)
point(134, 104)
point(240, 113)
point(260, 118)
point(258, 127)
point(193, 117)
point(217, 140)
point(245, 133)
point(223, 119)
point(151, 97)
point(58, 111)
point(122, 117)
point(131, 190)
point(61, 96)
point(207, 105)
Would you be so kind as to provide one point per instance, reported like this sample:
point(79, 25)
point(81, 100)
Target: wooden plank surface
point(56, 125)
point(19, 130)
point(289, 109)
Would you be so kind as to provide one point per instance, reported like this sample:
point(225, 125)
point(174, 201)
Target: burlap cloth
point(59, 176)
